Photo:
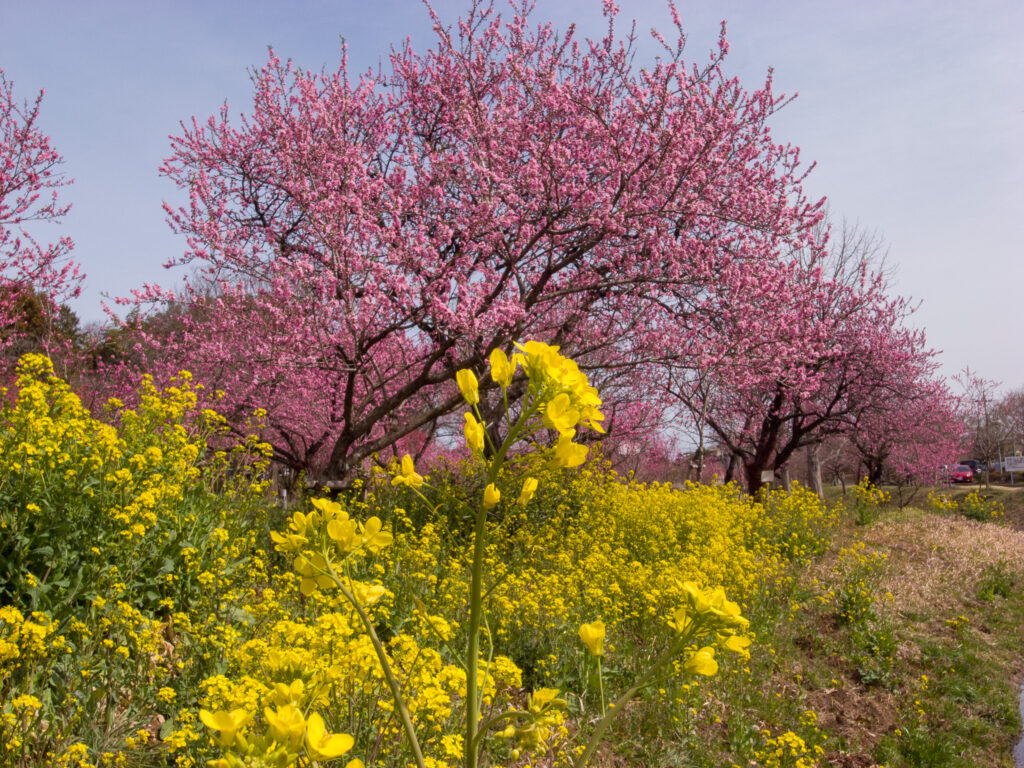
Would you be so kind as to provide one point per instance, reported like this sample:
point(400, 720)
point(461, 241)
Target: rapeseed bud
point(491, 496)
point(502, 369)
point(468, 385)
point(474, 432)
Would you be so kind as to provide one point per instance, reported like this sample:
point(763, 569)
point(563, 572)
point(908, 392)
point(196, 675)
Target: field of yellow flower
point(158, 607)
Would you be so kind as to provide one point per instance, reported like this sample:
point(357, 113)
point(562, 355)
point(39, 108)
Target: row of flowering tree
point(356, 240)
point(359, 239)
point(822, 350)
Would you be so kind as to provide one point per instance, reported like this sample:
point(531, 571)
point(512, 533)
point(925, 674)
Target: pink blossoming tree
point(802, 354)
point(367, 237)
point(34, 277)
point(909, 436)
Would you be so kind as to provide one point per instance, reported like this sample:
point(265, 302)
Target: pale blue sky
point(913, 111)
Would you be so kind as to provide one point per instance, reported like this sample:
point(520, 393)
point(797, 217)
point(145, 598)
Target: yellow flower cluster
point(940, 502)
point(543, 720)
point(289, 732)
point(21, 640)
point(329, 663)
point(114, 532)
point(294, 655)
point(324, 539)
point(868, 494)
point(559, 398)
point(788, 750)
point(979, 507)
point(621, 551)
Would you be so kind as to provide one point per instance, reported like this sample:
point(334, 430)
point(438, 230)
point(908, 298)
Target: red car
point(961, 474)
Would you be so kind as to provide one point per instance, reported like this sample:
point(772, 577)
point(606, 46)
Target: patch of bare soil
point(860, 715)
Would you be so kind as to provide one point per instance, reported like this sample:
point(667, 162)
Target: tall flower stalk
point(558, 401)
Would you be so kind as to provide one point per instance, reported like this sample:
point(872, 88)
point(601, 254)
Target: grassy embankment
point(906, 641)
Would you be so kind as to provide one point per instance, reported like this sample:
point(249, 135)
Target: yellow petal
point(502, 369)
point(474, 432)
point(738, 644)
point(408, 465)
point(529, 488)
point(702, 662)
point(323, 745)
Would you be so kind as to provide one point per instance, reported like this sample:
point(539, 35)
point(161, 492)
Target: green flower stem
point(600, 686)
point(473, 650)
point(389, 675)
point(476, 601)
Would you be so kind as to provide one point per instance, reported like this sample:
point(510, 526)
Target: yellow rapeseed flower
point(702, 662)
point(344, 533)
point(559, 414)
point(529, 488)
point(409, 476)
point(374, 538)
point(738, 644)
point(592, 635)
point(227, 724)
point(286, 724)
point(322, 745)
point(568, 454)
point(289, 693)
point(328, 509)
point(312, 567)
point(367, 594)
point(543, 699)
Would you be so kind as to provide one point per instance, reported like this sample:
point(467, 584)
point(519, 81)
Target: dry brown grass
point(935, 561)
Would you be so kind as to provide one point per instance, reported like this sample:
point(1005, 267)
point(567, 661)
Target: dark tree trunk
point(814, 469)
point(730, 471)
point(752, 470)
